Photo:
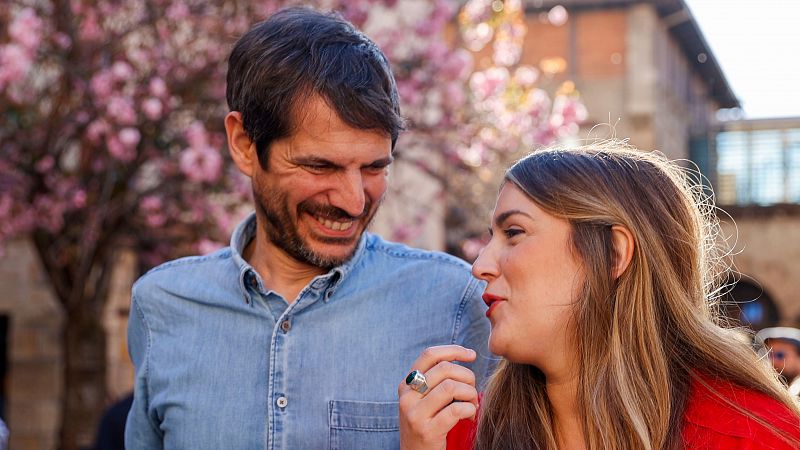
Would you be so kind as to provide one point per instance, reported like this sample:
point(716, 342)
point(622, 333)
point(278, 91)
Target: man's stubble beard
point(283, 233)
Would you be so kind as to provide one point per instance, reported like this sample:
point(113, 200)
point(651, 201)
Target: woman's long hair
point(643, 336)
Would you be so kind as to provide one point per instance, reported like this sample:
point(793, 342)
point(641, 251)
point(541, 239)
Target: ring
point(416, 381)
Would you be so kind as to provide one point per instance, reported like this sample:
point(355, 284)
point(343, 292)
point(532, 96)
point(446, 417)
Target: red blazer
point(709, 423)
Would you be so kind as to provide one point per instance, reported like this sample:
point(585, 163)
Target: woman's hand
point(451, 396)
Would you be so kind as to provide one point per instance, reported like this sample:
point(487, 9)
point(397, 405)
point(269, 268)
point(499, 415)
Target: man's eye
point(375, 169)
point(316, 167)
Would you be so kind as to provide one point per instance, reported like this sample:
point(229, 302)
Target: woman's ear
point(623, 243)
point(242, 150)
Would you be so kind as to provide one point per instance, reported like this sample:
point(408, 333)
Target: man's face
point(322, 187)
point(785, 357)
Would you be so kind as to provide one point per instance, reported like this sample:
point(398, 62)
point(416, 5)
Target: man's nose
point(349, 194)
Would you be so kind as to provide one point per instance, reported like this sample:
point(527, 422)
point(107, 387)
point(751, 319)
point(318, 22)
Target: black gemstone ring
point(416, 381)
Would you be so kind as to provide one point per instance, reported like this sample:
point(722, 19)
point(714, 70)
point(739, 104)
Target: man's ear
point(242, 149)
point(623, 242)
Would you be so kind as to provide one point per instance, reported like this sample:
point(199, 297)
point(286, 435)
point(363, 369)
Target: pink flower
point(120, 151)
point(130, 137)
point(436, 51)
point(15, 63)
point(158, 87)
point(121, 109)
point(79, 199)
point(458, 65)
point(202, 164)
point(62, 40)
point(196, 135)
point(177, 11)
point(102, 84)
point(454, 95)
point(526, 76)
point(96, 130)
point(155, 220)
point(45, 164)
point(409, 92)
point(506, 52)
point(152, 207)
point(49, 212)
point(489, 82)
point(89, 29)
point(26, 29)
point(121, 70)
point(151, 203)
point(570, 109)
point(152, 108)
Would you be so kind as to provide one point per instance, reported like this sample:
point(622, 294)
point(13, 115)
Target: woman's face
point(533, 281)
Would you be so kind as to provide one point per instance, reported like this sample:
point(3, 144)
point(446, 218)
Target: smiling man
point(296, 335)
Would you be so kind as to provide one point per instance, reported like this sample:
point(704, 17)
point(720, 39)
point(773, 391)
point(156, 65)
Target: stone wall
point(768, 251)
point(34, 385)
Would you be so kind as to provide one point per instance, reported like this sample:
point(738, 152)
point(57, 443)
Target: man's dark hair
point(297, 53)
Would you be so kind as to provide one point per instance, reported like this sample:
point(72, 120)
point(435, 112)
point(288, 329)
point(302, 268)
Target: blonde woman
point(601, 281)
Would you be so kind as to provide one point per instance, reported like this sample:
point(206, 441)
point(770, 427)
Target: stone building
point(644, 67)
point(756, 172)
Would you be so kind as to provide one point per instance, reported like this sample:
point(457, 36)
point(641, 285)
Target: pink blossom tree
point(111, 134)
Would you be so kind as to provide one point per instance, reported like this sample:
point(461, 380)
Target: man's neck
point(280, 272)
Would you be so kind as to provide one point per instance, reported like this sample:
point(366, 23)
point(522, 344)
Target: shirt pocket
point(363, 425)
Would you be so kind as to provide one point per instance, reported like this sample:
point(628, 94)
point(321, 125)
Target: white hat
point(784, 333)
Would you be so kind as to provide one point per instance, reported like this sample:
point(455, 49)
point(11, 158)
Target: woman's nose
point(485, 266)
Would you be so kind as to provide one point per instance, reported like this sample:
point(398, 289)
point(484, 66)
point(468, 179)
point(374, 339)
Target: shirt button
point(286, 325)
point(281, 402)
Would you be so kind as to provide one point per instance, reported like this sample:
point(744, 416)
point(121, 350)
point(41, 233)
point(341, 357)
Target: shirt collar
point(246, 231)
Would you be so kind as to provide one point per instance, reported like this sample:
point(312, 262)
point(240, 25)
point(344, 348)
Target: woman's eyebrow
point(503, 216)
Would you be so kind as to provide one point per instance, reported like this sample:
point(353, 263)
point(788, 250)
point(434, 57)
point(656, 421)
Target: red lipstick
point(492, 301)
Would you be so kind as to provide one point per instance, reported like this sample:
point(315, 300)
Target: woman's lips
point(492, 301)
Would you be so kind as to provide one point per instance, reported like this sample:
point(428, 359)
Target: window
point(758, 166)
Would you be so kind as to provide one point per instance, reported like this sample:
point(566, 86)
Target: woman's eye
point(511, 232)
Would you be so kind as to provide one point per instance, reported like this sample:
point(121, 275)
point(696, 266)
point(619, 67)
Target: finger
point(433, 355)
point(449, 416)
point(444, 370)
point(447, 392)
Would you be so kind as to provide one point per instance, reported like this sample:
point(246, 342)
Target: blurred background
point(113, 159)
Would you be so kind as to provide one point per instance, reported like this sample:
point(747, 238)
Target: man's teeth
point(334, 225)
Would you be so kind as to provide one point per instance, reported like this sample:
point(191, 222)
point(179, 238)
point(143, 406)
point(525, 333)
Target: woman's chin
point(496, 346)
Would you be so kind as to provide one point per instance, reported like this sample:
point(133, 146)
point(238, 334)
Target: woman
point(601, 273)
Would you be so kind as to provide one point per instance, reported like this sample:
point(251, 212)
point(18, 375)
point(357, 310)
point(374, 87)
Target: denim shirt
point(224, 363)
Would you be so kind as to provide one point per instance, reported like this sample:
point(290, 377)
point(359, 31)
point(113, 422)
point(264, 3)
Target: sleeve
point(473, 332)
point(141, 429)
point(462, 436)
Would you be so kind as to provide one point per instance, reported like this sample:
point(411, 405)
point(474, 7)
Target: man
point(783, 344)
point(297, 335)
